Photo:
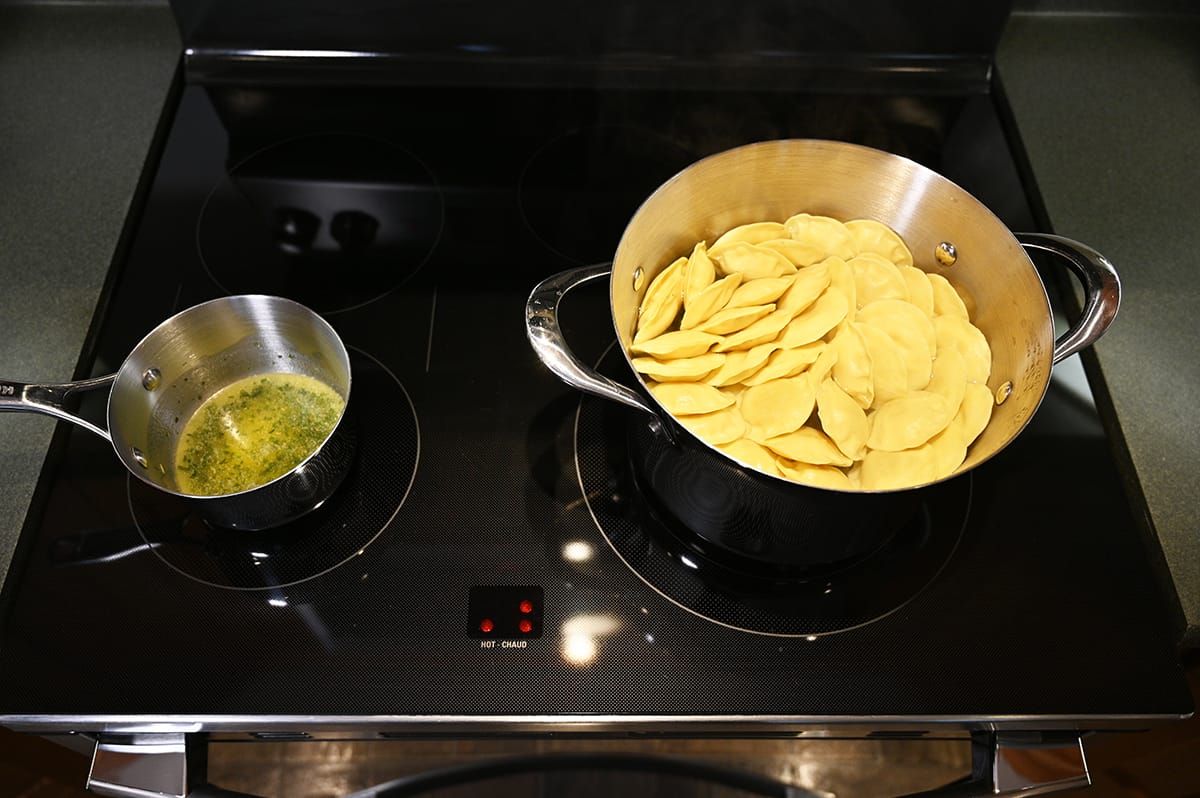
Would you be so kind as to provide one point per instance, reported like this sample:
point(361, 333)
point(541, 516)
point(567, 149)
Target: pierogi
point(817, 351)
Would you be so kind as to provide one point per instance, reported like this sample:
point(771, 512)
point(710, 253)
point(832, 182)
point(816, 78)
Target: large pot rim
point(914, 184)
point(628, 274)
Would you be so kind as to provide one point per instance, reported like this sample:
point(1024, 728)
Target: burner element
point(747, 592)
point(291, 215)
point(580, 190)
point(371, 495)
point(774, 525)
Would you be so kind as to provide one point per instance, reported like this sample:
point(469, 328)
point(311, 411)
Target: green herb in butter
point(252, 431)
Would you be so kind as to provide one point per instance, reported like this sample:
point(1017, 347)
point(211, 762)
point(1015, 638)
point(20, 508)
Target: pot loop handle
point(51, 398)
point(546, 336)
point(1101, 285)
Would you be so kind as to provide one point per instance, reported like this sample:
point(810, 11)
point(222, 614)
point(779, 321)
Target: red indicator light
point(525, 626)
point(486, 625)
point(526, 606)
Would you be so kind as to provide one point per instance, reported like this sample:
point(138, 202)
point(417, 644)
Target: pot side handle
point(1101, 285)
point(51, 399)
point(546, 337)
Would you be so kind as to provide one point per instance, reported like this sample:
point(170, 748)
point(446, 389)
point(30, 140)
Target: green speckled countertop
point(81, 88)
point(1109, 109)
point(1108, 106)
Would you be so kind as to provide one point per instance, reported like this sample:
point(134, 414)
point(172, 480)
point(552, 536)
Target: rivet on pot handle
point(50, 399)
point(1100, 283)
point(545, 334)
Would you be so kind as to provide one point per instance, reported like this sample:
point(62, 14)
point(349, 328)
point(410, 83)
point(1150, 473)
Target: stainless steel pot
point(183, 362)
point(948, 232)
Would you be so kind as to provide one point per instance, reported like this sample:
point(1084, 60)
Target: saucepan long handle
point(1101, 285)
point(51, 399)
point(546, 336)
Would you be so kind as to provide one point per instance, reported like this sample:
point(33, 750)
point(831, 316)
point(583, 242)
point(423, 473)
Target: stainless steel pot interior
point(194, 354)
point(776, 179)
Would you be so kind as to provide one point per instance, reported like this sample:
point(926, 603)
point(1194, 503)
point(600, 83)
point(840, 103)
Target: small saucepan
point(185, 361)
point(766, 517)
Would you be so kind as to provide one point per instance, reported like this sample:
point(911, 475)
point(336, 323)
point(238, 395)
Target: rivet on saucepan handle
point(945, 253)
point(639, 278)
point(138, 456)
point(151, 378)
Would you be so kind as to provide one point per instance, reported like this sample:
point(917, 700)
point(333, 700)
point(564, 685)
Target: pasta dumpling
point(819, 352)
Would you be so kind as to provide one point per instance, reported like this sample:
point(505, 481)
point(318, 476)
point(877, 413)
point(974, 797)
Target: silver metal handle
point(546, 336)
point(50, 399)
point(1019, 764)
point(1101, 285)
point(1022, 767)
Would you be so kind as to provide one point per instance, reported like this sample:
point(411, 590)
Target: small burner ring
point(327, 537)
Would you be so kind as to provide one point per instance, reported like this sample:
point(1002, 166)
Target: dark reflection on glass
point(330, 220)
point(355, 231)
point(580, 190)
point(295, 229)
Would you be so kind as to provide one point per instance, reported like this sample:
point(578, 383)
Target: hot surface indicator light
point(504, 612)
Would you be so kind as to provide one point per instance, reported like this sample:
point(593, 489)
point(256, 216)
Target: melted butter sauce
point(252, 431)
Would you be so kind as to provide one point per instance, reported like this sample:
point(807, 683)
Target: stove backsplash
point(618, 42)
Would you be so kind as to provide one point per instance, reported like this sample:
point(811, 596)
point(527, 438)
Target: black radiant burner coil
point(725, 575)
point(372, 492)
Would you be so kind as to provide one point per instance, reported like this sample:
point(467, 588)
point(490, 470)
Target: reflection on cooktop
point(580, 190)
point(330, 220)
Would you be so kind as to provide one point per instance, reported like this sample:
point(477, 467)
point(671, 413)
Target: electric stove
point(490, 564)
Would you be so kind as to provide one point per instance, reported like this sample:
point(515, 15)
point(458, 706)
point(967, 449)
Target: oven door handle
point(1002, 764)
point(1020, 763)
point(160, 765)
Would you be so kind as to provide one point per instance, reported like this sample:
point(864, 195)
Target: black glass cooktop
point(489, 557)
